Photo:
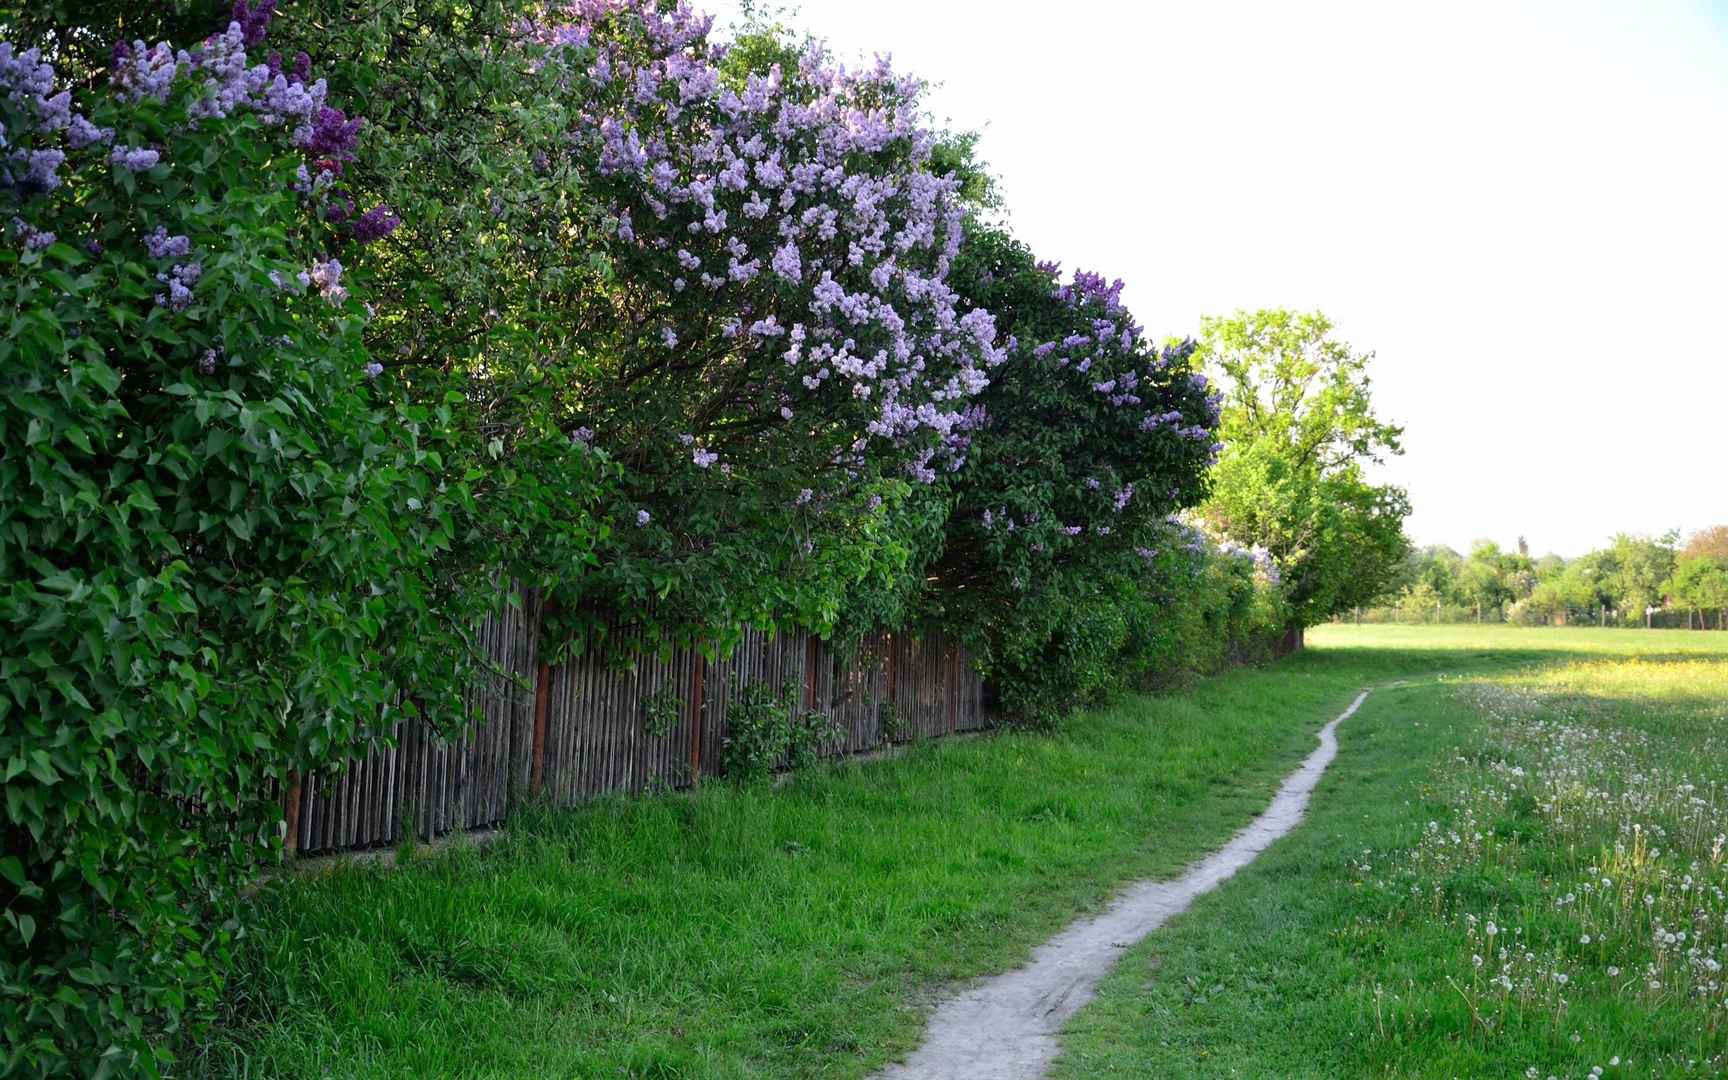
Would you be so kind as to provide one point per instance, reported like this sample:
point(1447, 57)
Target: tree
point(1420, 602)
point(1711, 543)
point(1298, 427)
point(1482, 579)
point(1637, 568)
point(221, 539)
point(1699, 584)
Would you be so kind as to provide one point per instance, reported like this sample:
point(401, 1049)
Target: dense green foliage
point(1060, 563)
point(1298, 429)
point(230, 551)
point(766, 731)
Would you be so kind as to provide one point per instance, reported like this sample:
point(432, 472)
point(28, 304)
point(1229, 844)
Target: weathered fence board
point(587, 727)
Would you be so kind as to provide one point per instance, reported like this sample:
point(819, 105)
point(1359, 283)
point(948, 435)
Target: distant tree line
point(1633, 581)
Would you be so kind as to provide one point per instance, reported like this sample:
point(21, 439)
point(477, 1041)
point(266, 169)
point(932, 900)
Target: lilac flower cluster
point(134, 159)
point(804, 201)
point(27, 85)
point(326, 276)
point(32, 238)
point(1198, 541)
point(375, 224)
point(180, 280)
point(279, 97)
point(162, 246)
point(1115, 367)
point(254, 22)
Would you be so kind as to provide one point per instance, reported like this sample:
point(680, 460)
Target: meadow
point(1516, 873)
point(1512, 795)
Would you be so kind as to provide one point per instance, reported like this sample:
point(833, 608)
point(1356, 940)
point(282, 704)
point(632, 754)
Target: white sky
point(1520, 207)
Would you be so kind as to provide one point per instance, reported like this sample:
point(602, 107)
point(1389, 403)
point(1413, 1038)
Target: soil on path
point(1006, 1027)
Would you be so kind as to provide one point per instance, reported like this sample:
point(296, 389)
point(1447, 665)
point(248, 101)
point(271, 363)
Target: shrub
point(1085, 441)
point(766, 731)
point(225, 550)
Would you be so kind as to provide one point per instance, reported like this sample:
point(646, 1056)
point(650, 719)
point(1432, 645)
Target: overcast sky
point(1521, 208)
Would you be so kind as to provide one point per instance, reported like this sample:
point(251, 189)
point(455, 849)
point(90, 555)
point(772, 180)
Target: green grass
point(1510, 797)
point(804, 931)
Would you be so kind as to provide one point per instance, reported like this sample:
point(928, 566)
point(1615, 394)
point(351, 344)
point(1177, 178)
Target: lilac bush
point(1085, 441)
point(776, 313)
point(219, 542)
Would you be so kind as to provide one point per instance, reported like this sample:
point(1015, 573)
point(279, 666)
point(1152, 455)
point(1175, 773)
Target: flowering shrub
point(1080, 447)
point(220, 543)
point(777, 351)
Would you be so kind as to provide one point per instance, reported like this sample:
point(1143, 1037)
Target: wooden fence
point(581, 729)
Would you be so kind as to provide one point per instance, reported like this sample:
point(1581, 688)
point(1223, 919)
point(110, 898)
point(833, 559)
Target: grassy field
point(803, 931)
point(1514, 874)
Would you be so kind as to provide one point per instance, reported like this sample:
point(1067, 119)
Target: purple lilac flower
point(41, 168)
point(254, 22)
point(643, 517)
point(331, 135)
point(141, 72)
point(327, 276)
point(162, 246)
point(207, 363)
point(180, 281)
point(24, 77)
point(704, 458)
point(373, 369)
point(33, 239)
point(871, 285)
point(583, 435)
point(134, 160)
point(82, 133)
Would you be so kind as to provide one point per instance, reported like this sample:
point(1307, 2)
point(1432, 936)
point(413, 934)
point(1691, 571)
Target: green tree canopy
point(1298, 426)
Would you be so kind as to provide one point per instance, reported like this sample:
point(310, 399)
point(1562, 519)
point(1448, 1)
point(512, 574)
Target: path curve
point(1005, 1028)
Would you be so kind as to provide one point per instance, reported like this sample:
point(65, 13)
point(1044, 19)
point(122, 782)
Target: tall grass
point(749, 931)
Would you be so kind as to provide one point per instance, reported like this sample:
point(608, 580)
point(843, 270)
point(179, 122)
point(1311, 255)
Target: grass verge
point(736, 932)
point(1505, 873)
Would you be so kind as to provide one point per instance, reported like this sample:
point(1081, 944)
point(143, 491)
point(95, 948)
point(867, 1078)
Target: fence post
point(953, 686)
point(698, 673)
point(893, 681)
point(542, 704)
point(526, 714)
point(291, 842)
point(810, 676)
